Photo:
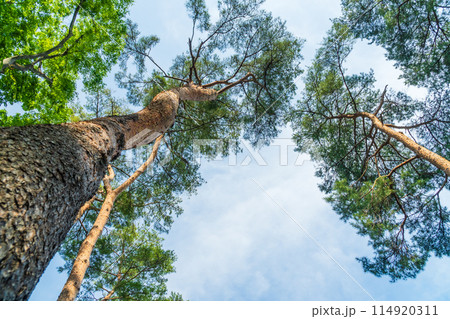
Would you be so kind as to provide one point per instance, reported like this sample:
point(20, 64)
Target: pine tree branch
point(421, 151)
point(141, 169)
point(85, 207)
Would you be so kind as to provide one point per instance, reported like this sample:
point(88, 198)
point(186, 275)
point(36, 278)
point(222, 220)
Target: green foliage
point(129, 262)
point(402, 240)
point(259, 44)
point(199, 14)
point(30, 29)
point(245, 46)
point(373, 181)
point(244, 40)
point(414, 33)
point(129, 258)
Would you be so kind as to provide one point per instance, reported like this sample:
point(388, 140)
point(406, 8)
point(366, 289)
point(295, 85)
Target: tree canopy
point(415, 34)
point(249, 57)
point(46, 46)
point(361, 137)
point(381, 155)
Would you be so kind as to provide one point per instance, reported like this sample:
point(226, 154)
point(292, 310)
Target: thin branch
point(433, 158)
point(246, 56)
point(345, 82)
point(381, 101)
point(11, 61)
point(405, 217)
point(85, 207)
point(109, 295)
point(401, 164)
point(407, 127)
point(82, 225)
point(242, 80)
point(172, 150)
point(436, 194)
point(121, 170)
point(81, 263)
point(141, 169)
point(374, 156)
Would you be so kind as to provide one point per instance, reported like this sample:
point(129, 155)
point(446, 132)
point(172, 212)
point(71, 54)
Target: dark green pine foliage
point(372, 181)
point(246, 51)
point(128, 263)
point(415, 33)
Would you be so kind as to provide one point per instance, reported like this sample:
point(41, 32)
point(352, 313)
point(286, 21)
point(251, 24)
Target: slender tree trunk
point(47, 172)
point(81, 264)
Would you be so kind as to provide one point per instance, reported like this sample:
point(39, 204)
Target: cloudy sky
point(263, 232)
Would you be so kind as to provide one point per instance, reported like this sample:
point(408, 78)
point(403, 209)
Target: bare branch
point(141, 169)
point(421, 151)
point(242, 80)
point(401, 164)
point(381, 101)
point(85, 207)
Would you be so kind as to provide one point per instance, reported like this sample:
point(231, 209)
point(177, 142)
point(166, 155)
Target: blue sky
point(235, 240)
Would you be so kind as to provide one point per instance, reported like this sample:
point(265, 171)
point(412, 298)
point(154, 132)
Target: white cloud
point(236, 241)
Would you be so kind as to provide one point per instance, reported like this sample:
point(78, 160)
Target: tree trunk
point(81, 263)
point(47, 172)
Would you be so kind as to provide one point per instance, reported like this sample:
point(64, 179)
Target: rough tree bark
point(47, 172)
